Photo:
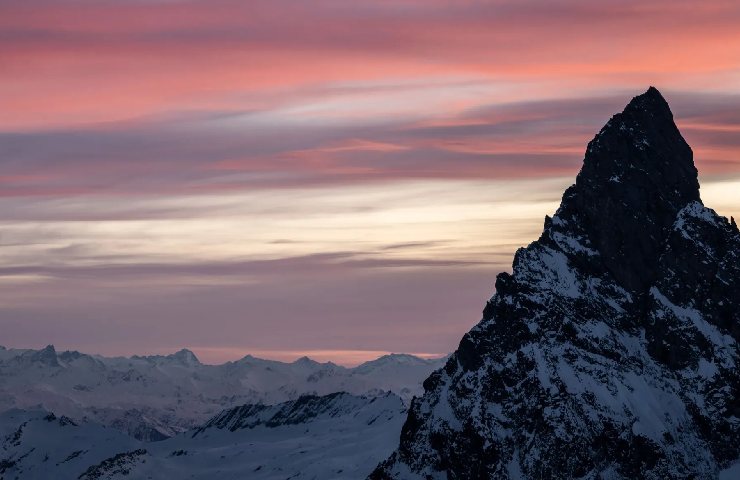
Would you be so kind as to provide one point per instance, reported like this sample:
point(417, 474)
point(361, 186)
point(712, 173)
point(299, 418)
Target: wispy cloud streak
point(321, 166)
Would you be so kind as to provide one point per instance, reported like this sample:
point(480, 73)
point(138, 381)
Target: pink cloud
point(159, 100)
point(97, 61)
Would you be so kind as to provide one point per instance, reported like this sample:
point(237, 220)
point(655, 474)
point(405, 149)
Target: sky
point(325, 178)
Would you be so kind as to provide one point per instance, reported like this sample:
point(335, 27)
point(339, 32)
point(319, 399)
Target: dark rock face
point(612, 349)
point(46, 356)
point(637, 174)
point(305, 409)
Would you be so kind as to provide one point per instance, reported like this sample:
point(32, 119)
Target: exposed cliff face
point(306, 409)
point(612, 349)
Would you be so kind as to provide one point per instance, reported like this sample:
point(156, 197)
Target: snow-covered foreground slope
point(612, 350)
point(156, 397)
point(39, 445)
point(338, 436)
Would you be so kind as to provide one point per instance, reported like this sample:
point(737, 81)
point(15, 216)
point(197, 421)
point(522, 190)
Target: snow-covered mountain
point(39, 445)
point(156, 397)
point(337, 436)
point(611, 352)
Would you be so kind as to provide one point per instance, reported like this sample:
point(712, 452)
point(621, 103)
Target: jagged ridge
point(612, 349)
point(337, 436)
point(158, 396)
point(305, 409)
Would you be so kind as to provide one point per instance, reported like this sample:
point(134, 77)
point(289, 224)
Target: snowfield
point(338, 436)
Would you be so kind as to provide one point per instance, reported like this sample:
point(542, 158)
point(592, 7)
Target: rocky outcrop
point(611, 351)
point(306, 409)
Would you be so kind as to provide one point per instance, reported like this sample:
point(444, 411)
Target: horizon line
point(216, 356)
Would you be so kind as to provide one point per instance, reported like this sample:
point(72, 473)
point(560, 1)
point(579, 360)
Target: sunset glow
point(333, 179)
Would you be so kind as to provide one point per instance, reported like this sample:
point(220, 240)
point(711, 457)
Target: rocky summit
point(611, 351)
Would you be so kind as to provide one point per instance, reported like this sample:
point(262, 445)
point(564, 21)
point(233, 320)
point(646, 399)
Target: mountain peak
point(46, 356)
point(186, 357)
point(306, 361)
point(638, 172)
point(592, 357)
point(396, 359)
point(651, 101)
point(643, 144)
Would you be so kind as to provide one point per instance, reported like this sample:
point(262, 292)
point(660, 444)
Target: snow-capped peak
point(611, 351)
point(157, 396)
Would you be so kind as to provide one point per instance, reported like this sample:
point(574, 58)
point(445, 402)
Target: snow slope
point(39, 445)
point(338, 436)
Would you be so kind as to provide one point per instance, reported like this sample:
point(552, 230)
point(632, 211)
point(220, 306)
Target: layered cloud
point(222, 152)
point(163, 163)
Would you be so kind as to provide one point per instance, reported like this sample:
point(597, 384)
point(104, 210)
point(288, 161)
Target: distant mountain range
point(155, 397)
